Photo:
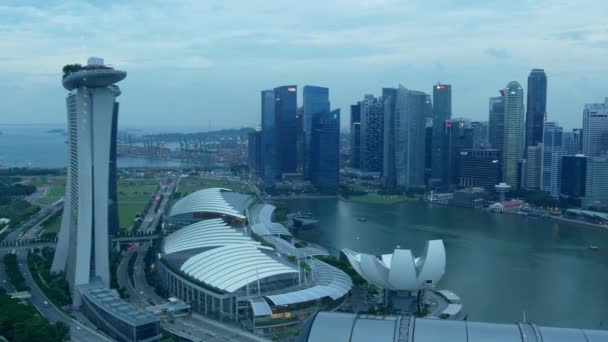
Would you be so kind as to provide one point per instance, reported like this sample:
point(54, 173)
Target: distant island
point(56, 131)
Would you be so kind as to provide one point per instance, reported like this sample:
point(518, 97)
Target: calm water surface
point(34, 146)
point(500, 265)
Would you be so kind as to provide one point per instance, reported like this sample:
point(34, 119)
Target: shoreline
point(406, 200)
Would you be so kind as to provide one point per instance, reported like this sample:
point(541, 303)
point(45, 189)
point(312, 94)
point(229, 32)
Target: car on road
point(46, 303)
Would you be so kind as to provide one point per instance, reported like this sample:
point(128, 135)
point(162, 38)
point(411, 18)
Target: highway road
point(78, 331)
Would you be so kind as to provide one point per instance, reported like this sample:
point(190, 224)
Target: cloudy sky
point(198, 64)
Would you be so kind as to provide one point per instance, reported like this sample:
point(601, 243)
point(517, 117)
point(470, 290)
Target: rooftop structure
point(253, 275)
point(233, 267)
point(339, 327)
point(93, 75)
point(89, 214)
point(400, 271)
point(121, 320)
point(207, 203)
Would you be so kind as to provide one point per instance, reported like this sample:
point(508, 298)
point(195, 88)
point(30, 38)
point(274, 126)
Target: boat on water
point(362, 219)
point(593, 247)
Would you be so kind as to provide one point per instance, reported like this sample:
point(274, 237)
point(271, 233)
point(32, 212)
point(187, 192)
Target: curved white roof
point(206, 200)
point(208, 233)
point(400, 271)
point(232, 267)
point(329, 282)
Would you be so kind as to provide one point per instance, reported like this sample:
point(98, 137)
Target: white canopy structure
point(400, 271)
point(232, 267)
point(206, 201)
point(205, 234)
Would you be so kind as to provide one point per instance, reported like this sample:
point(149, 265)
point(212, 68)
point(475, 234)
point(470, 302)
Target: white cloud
point(323, 40)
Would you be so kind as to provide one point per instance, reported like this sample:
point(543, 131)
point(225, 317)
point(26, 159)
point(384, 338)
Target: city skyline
point(189, 67)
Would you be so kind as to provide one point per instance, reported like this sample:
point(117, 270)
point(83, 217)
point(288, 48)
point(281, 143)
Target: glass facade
point(285, 109)
point(355, 136)
point(316, 104)
point(442, 112)
point(325, 149)
point(536, 109)
point(372, 133)
point(497, 122)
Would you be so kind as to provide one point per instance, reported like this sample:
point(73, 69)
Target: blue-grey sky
point(193, 62)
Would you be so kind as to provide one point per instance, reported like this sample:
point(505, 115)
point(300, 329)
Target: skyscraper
point(596, 182)
point(269, 149)
point(405, 144)
point(325, 149)
point(83, 244)
point(254, 154)
point(316, 104)
point(497, 121)
point(460, 133)
point(285, 109)
point(480, 134)
point(595, 129)
point(442, 112)
point(372, 130)
point(513, 133)
point(551, 166)
point(389, 96)
point(533, 166)
point(355, 135)
point(574, 177)
point(571, 142)
point(536, 109)
point(479, 168)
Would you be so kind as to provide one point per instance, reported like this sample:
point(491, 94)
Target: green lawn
point(133, 196)
point(54, 193)
point(51, 226)
point(384, 199)
point(189, 185)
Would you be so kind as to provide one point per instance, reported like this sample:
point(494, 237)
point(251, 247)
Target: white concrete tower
point(83, 247)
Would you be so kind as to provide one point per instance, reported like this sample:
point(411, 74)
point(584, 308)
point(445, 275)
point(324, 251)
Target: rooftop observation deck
point(93, 77)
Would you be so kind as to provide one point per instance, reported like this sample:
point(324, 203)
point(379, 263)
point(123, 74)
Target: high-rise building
point(442, 112)
point(325, 149)
point(513, 133)
point(372, 131)
point(405, 141)
point(571, 142)
point(595, 129)
point(254, 153)
point(300, 139)
point(83, 244)
point(355, 136)
point(480, 134)
point(551, 165)
point(574, 178)
point(269, 149)
point(285, 115)
point(536, 109)
point(428, 150)
point(596, 182)
point(532, 168)
point(316, 104)
point(460, 133)
point(389, 96)
point(479, 168)
point(497, 122)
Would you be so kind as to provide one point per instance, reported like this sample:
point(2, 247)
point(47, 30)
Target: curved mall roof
point(337, 327)
point(328, 282)
point(400, 271)
point(205, 234)
point(208, 201)
point(232, 267)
